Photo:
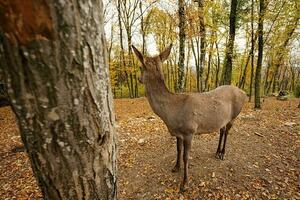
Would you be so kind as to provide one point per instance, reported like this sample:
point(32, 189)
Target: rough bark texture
point(227, 69)
point(54, 59)
point(260, 54)
point(181, 11)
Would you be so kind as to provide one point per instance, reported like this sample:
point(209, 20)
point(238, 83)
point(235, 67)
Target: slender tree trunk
point(203, 41)
point(195, 54)
point(252, 50)
point(260, 54)
point(282, 82)
point(181, 12)
point(55, 64)
point(122, 52)
point(266, 78)
point(209, 59)
point(293, 78)
point(136, 93)
point(187, 65)
point(227, 68)
point(243, 72)
point(131, 64)
point(218, 65)
point(143, 29)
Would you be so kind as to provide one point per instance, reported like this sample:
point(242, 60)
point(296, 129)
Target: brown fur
point(188, 114)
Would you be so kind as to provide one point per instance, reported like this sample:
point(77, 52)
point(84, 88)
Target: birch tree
point(54, 60)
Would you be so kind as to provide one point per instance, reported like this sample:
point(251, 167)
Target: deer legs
point(223, 132)
point(179, 150)
point(187, 143)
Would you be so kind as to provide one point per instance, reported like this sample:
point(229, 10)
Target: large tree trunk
point(227, 68)
point(55, 63)
point(260, 54)
point(181, 12)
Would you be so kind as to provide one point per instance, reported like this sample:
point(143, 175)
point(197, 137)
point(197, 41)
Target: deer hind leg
point(222, 131)
point(228, 127)
point(187, 143)
point(179, 150)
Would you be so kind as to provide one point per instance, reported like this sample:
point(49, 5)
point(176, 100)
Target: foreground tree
point(260, 54)
point(54, 59)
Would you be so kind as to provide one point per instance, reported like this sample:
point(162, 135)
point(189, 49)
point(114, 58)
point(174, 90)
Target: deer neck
point(160, 98)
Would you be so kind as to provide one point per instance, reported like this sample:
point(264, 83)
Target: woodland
point(76, 121)
point(209, 37)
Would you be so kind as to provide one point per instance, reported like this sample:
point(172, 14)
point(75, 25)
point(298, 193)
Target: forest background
point(204, 33)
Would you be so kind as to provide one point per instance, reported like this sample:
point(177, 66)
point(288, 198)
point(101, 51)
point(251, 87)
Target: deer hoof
point(217, 155)
point(176, 169)
point(183, 188)
point(220, 155)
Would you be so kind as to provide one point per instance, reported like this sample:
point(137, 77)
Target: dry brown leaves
point(16, 178)
point(261, 161)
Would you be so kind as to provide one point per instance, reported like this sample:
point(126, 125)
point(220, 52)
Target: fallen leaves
point(262, 156)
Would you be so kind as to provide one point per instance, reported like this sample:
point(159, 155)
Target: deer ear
point(138, 54)
point(165, 54)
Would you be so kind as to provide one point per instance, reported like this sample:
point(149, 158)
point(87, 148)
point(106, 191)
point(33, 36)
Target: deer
point(189, 114)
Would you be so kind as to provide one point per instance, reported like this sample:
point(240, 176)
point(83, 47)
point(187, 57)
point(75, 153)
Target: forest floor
point(262, 158)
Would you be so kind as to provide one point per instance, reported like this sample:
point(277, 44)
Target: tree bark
point(196, 56)
point(181, 13)
point(212, 40)
point(122, 52)
point(260, 54)
point(203, 42)
point(218, 65)
point(143, 31)
point(227, 69)
point(187, 66)
point(252, 50)
point(55, 63)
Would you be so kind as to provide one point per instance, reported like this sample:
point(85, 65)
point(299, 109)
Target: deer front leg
point(220, 142)
point(222, 152)
point(179, 150)
point(187, 142)
point(222, 132)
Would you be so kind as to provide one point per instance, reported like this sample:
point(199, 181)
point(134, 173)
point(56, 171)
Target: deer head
point(151, 66)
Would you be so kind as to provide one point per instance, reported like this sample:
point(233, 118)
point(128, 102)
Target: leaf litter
point(261, 161)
